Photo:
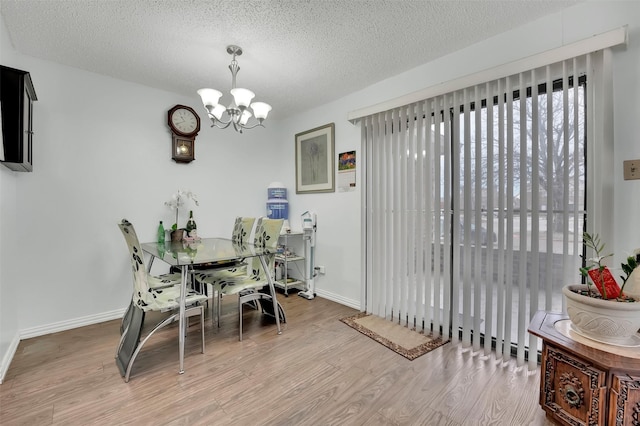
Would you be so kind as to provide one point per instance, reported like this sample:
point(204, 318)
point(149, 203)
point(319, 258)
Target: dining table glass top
point(205, 250)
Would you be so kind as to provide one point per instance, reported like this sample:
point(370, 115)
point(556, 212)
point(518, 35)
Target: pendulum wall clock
point(185, 125)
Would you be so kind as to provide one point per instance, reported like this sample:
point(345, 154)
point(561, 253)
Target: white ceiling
point(297, 53)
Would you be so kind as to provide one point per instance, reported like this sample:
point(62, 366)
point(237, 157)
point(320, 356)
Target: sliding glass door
point(518, 209)
point(475, 206)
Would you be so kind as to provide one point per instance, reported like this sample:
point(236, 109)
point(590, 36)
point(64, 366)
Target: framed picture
point(315, 162)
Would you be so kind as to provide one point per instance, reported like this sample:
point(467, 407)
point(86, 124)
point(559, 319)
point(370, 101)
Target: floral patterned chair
point(217, 273)
point(155, 282)
point(146, 299)
point(249, 284)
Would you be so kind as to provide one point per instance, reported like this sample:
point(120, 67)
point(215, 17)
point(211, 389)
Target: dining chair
point(155, 282)
point(146, 299)
point(250, 285)
point(214, 273)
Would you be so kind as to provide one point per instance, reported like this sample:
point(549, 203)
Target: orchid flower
point(178, 200)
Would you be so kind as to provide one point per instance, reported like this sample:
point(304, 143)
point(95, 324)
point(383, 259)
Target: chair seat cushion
point(168, 298)
point(164, 280)
point(215, 276)
point(233, 285)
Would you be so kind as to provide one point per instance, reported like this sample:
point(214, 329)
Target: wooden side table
point(584, 382)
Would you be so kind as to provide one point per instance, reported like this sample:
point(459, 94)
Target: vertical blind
point(475, 202)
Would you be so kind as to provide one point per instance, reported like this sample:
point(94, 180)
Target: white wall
point(338, 234)
point(9, 328)
point(102, 152)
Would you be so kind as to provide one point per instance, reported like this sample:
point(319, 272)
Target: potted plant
point(178, 200)
point(604, 313)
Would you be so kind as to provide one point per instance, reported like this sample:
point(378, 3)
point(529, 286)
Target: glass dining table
point(186, 255)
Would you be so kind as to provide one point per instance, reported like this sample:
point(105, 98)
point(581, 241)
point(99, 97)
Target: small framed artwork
point(315, 162)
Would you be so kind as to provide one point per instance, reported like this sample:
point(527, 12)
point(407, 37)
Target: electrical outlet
point(321, 269)
point(631, 169)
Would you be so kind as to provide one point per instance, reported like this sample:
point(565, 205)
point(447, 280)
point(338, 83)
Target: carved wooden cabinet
point(624, 400)
point(584, 382)
point(571, 388)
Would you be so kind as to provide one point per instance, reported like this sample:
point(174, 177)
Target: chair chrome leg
point(272, 291)
point(191, 311)
point(219, 306)
point(214, 296)
point(213, 302)
point(169, 320)
point(240, 311)
point(202, 326)
point(122, 337)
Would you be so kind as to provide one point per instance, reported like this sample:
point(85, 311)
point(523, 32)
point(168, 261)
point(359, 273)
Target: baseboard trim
point(8, 357)
point(355, 304)
point(69, 324)
point(53, 328)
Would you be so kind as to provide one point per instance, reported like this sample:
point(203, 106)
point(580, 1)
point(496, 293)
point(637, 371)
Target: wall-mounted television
point(16, 110)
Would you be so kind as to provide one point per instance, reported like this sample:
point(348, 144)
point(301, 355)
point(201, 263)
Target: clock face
point(184, 121)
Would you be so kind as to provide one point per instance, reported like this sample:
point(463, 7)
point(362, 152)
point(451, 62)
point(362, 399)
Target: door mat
point(402, 340)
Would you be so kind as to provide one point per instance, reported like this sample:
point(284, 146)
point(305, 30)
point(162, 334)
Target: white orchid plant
point(178, 200)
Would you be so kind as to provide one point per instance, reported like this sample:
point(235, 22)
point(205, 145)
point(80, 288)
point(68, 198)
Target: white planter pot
point(605, 321)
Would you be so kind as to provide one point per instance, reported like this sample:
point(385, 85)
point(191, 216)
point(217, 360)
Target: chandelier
point(238, 112)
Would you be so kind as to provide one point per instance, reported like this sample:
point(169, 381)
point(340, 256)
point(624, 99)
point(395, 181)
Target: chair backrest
point(143, 296)
point(266, 235)
point(242, 229)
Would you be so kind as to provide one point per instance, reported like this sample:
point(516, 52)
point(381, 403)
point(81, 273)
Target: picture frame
point(315, 160)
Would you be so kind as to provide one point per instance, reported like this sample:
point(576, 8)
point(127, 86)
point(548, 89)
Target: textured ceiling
point(297, 54)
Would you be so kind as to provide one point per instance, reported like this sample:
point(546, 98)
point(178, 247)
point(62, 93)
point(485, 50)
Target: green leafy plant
point(627, 269)
point(593, 242)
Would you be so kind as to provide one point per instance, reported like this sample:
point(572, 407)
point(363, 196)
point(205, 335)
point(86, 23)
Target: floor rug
point(402, 340)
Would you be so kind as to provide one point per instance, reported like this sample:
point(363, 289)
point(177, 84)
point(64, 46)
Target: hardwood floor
point(318, 372)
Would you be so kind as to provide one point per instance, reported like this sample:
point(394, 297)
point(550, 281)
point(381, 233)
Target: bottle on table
point(160, 234)
point(191, 227)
